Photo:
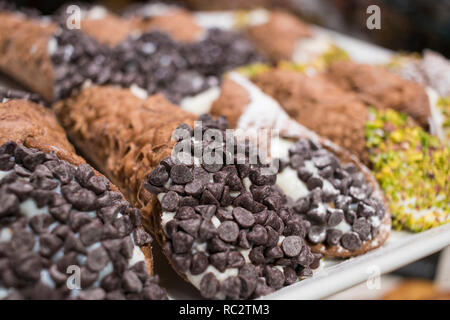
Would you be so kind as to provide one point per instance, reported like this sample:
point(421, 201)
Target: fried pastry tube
point(58, 215)
point(223, 225)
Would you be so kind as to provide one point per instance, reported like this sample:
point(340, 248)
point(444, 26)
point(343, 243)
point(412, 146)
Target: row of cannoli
point(238, 224)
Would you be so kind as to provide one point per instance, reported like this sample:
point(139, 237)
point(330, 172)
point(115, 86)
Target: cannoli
point(220, 225)
point(433, 71)
point(249, 108)
point(59, 61)
point(413, 169)
point(406, 165)
point(65, 231)
point(378, 87)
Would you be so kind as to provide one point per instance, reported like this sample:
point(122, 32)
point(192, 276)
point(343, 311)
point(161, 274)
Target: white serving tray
point(399, 250)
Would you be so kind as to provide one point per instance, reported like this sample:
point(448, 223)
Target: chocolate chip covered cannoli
point(62, 61)
point(221, 224)
point(65, 231)
point(323, 181)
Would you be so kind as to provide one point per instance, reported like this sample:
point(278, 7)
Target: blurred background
point(406, 25)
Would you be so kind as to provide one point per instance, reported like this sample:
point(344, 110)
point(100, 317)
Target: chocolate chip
point(258, 235)
point(98, 184)
point(314, 182)
point(228, 231)
point(32, 160)
point(40, 223)
point(91, 233)
point(181, 174)
point(64, 172)
point(184, 213)
point(317, 234)
point(207, 230)
point(292, 245)
point(231, 287)
point(219, 260)
point(261, 217)
point(333, 236)
point(20, 188)
point(199, 263)
point(302, 205)
point(274, 277)
point(334, 217)
point(317, 215)
point(49, 244)
point(182, 242)
point(194, 188)
point(342, 202)
point(351, 241)
point(256, 255)
point(83, 173)
point(244, 200)
point(243, 217)
point(304, 173)
point(191, 226)
point(97, 259)
point(131, 282)
point(357, 193)
point(296, 161)
point(182, 261)
point(171, 228)
point(10, 203)
point(290, 275)
point(77, 219)
point(242, 240)
point(365, 210)
point(80, 198)
point(235, 259)
point(206, 211)
point(350, 216)
point(272, 237)
point(217, 245)
point(208, 198)
point(362, 227)
point(141, 237)
point(170, 201)
point(209, 285)
point(273, 253)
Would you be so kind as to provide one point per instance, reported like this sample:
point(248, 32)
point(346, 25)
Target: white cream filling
point(138, 91)
point(202, 102)
point(436, 120)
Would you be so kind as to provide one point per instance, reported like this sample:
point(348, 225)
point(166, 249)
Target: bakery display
point(57, 213)
point(246, 142)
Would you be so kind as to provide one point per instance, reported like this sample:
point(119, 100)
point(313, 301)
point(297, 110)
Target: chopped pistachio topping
point(413, 169)
point(444, 108)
